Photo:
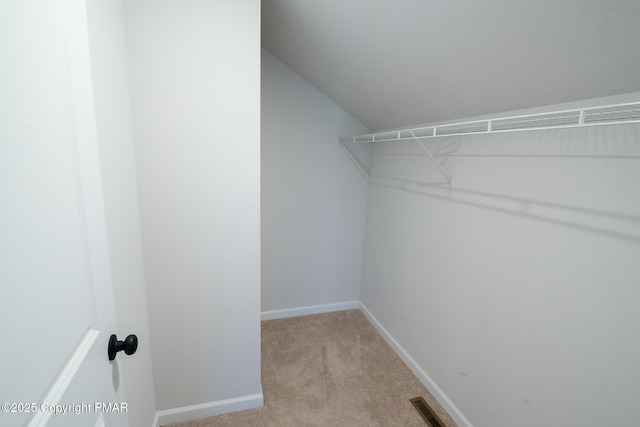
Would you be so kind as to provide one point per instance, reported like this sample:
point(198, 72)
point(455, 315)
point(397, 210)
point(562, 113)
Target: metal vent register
point(426, 412)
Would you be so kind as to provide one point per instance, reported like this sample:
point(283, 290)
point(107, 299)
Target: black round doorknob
point(129, 345)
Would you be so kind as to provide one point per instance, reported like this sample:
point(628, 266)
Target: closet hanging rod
point(580, 117)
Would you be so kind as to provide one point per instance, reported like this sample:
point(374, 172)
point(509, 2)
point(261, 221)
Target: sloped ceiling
point(394, 63)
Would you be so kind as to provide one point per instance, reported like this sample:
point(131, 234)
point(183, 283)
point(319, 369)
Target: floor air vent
point(425, 411)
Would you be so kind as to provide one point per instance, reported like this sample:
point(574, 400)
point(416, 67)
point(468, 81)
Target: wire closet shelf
point(592, 116)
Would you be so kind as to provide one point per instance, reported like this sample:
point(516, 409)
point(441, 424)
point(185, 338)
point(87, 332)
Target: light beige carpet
point(328, 370)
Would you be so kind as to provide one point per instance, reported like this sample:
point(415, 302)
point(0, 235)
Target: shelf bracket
point(357, 163)
point(431, 157)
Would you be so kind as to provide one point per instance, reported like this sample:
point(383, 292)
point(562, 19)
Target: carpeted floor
point(328, 370)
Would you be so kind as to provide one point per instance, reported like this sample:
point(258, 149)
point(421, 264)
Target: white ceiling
point(394, 63)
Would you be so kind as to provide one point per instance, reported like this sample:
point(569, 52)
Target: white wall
point(195, 94)
point(313, 199)
point(515, 291)
point(113, 122)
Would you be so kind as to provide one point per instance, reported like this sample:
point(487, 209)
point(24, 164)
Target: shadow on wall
point(587, 178)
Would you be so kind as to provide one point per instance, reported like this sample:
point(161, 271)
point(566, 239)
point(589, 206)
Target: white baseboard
point(310, 309)
point(425, 379)
point(210, 409)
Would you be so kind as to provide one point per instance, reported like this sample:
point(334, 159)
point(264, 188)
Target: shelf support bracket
point(358, 164)
point(431, 157)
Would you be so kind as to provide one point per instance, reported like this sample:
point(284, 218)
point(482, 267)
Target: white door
point(56, 306)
